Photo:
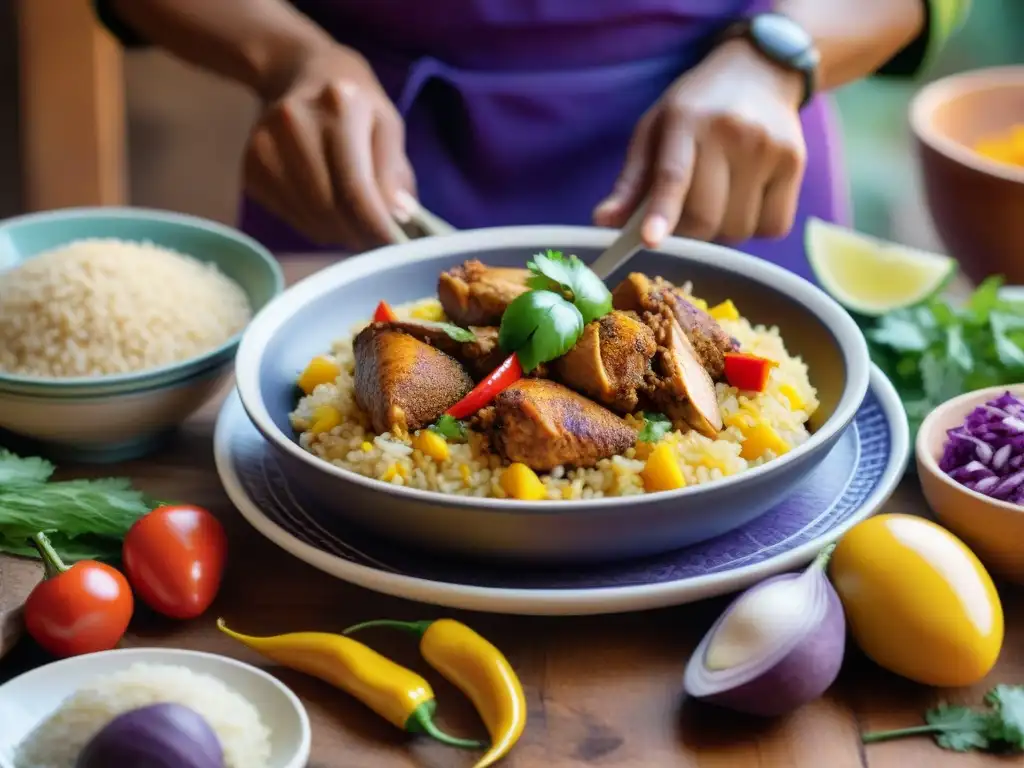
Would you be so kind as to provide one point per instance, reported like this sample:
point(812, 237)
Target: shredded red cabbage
point(986, 454)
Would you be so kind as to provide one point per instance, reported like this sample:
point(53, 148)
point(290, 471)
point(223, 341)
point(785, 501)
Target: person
point(710, 113)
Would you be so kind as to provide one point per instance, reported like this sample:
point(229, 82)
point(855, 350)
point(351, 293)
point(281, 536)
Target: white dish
point(28, 699)
point(273, 504)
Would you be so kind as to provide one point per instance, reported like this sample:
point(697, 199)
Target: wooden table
point(602, 691)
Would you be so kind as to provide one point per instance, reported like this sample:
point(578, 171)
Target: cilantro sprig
point(449, 428)
point(571, 278)
point(539, 326)
point(997, 728)
point(937, 350)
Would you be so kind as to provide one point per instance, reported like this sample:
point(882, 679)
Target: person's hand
point(720, 156)
point(327, 154)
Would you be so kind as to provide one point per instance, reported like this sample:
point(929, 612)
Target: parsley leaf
point(656, 426)
point(552, 271)
point(453, 331)
point(449, 427)
point(539, 326)
point(16, 470)
point(997, 728)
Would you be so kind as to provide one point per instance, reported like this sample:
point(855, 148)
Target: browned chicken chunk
point(641, 294)
point(475, 294)
point(402, 383)
point(610, 362)
point(681, 386)
point(480, 356)
point(544, 425)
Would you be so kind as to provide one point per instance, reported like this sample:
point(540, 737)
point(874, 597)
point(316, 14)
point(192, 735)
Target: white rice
point(103, 306)
point(58, 740)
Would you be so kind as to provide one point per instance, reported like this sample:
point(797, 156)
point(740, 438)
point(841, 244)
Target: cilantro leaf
point(539, 326)
point(962, 729)
point(1007, 702)
point(656, 426)
point(900, 332)
point(18, 471)
point(552, 271)
point(453, 331)
point(449, 427)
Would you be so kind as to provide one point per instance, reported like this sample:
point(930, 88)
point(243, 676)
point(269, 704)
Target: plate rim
point(181, 656)
point(571, 601)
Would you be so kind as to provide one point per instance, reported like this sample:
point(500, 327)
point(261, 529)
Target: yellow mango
point(520, 482)
point(321, 370)
point(431, 444)
point(725, 311)
point(918, 601)
point(662, 471)
point(325, 418)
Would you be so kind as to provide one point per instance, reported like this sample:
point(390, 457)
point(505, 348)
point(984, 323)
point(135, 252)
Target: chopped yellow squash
point(520, 482)
point(431, 444)
point(662, 471)
point(325, 418)
point(321, 370)
point(796, 402)
point(432, 311)
point(725, 311)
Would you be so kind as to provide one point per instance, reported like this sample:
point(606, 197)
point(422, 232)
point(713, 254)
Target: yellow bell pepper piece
point(431, 444)
point(662, 471)
point(759, 436)
point(520, 482)
point(725, 311)
point(433, 312)
point(321, 370)
point(325, 418)
point(796, 402)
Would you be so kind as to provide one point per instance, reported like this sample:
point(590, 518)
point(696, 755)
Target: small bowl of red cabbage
point(970, 463)
point(986, 452)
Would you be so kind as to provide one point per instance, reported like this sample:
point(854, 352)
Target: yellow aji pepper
point(397, 694)
point(476, 668)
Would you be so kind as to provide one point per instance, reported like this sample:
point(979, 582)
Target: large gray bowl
point(304, 320)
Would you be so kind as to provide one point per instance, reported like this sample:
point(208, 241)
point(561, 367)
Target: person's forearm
point(855, 37)
point(258, 43)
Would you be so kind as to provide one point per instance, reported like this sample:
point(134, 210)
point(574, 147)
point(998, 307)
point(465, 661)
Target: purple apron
point(519, 111)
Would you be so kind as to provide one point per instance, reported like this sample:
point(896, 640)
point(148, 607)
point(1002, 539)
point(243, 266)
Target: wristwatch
point(783, 42)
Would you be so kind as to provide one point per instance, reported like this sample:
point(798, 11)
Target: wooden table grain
point(602, 691)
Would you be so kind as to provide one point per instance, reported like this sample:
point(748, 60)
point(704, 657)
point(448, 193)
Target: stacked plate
point(620, 554)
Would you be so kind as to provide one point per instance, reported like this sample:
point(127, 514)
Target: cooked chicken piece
point(610, 361)
point(641, 294)
point(480, 356)
point(401, 382)
point(544, 425)
point(681, 386)
point(475, 294)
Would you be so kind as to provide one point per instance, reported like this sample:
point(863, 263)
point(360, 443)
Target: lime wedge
point(870, 276)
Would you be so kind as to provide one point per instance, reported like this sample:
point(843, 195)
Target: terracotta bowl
point(993, 529)
point(975, 203)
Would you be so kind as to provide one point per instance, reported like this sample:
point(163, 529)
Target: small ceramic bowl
point(115, 418)
point(975, 203)
point(994, 529)
point(27, 700)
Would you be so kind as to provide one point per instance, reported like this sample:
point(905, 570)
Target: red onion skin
point(157, 736)
point(801, 676)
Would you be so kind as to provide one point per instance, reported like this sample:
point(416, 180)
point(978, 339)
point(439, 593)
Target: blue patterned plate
point(852, 483)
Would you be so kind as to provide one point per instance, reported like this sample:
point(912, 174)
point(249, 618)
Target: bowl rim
point(941, 91)
point(248, 361)
point(930, 464)
point(121, 382)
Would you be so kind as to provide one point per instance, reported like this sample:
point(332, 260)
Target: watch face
point(780, 37)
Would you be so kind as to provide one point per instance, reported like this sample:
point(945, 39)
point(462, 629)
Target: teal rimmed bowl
point(153, 395)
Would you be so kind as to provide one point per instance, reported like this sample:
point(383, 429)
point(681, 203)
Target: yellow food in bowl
point(1007, 148)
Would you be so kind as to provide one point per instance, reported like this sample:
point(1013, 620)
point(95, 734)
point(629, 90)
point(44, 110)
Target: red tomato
point(174, 558)
point(82, 609)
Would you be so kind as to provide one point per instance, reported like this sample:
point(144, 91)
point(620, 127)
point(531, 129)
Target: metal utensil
point(422, 223)
point(625, 246)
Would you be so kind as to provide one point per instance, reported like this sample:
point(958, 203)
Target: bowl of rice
point(50, 714)
point(386, 485)
point(117, 324)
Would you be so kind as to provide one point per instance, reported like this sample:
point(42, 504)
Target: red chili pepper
point(505, 374)
point(748, 372)
point(83, 608)
point(384, 314)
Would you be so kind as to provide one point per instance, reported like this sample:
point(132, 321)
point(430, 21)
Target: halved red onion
point(778, 646)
